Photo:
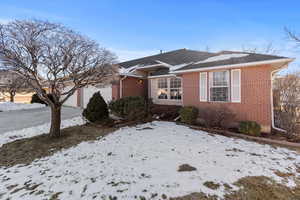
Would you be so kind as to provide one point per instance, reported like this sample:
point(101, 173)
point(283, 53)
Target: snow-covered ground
point(7, 106)
point(36, 130)
point(143, 161)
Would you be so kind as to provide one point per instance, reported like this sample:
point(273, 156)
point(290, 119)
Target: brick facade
point(255, 102)
point(131, 86)
point(255, 86)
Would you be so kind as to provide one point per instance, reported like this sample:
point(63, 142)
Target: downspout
point(121, 86)
point(272, 104)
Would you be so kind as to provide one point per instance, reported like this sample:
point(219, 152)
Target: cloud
point(4, 20)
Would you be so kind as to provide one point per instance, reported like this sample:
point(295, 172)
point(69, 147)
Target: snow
point(128, 70)
point(143, 160)
point(37, 130)
point(8, 106)
point(175, 67)
point(222, 57)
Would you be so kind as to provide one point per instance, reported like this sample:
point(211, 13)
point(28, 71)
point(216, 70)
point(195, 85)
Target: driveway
point(19, 119)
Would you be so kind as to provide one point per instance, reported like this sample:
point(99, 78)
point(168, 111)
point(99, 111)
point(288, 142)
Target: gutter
point(161, 76)
point(272, 103)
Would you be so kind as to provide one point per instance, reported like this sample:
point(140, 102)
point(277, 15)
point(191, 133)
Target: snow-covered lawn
point(37, 130)
point(7, 106)
point(143, 161)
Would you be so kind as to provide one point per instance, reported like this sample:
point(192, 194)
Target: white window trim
point(205, 88)
point(240, 90)
point(210, 83)
point(157, 88)
point(169, 89)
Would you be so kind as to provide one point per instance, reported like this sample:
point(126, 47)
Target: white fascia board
point(240, 65)
point(161, 76)
point(149, 66)
point(132, 75)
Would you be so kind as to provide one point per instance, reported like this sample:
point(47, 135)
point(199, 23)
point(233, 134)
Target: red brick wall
point(130, 87)
point(255, 95)
point(115, 91)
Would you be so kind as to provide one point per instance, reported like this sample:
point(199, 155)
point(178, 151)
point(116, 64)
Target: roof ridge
point(166, 53)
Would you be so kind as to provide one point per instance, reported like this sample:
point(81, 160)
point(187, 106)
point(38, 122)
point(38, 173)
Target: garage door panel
point(72, 100)
point(88, 92)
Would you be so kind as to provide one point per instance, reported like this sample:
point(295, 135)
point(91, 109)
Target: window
point(219, 86)
point(175, 88)
point(162, 88)
point(169, 88)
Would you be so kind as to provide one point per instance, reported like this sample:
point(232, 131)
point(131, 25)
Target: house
point(240, 80)
point(81, 96)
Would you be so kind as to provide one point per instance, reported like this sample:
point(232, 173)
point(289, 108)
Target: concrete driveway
point(19, 119)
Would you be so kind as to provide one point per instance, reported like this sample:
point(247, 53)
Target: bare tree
point(287, 102)
point(265, 49)
point(51, 55)
point(292, 35)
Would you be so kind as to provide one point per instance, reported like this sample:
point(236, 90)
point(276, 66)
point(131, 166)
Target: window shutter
point(203, 86)
point(236, 85)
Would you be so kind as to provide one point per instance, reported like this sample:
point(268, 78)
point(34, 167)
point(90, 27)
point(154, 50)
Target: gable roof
point(176, 57)
point(184, 59)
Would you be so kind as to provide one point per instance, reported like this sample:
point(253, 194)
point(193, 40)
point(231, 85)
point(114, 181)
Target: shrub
point(129, 108)
point(250, 128)
point(217, 116)
point(188, 114)
point(36, 99)
point(165, 112)
point(96, 110)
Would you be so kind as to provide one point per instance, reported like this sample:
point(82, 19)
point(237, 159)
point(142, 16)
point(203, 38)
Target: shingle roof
point(176, 57)
point(198, 59)
point(250, 57)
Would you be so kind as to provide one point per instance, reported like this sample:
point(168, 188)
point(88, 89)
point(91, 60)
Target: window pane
point(175, 94)
point(175, 83)
point(162, 83)
point(219, 94)
point(220, 78)
point(162, 93)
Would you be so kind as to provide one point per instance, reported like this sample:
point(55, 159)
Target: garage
point(72, 100)
point(81, 97)
point(87, 93)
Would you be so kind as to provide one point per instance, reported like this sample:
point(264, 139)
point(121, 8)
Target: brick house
point(242, 81)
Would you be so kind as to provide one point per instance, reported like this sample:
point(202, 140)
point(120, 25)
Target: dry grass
point(256, 187)
point(24, 151)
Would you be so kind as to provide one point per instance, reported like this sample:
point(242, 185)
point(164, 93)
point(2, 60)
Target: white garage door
point(72, 100)
point(88, 92)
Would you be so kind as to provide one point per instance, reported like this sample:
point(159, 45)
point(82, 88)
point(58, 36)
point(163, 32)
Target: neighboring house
point(20, 97)
point(242, 81)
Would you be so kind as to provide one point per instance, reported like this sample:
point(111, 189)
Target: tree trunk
point(12, 97)
point(55, 121)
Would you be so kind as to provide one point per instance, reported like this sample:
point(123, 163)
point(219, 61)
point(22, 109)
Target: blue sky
point(133, 29)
